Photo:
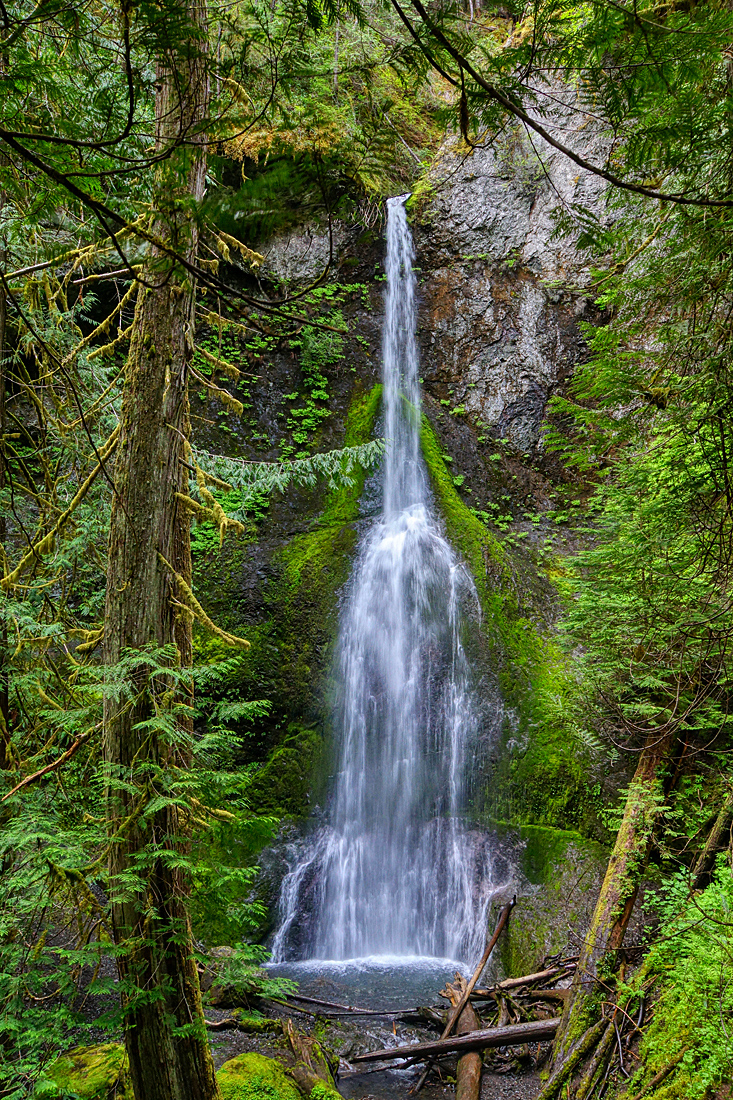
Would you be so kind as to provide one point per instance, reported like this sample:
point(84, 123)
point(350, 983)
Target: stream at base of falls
point(391, 892)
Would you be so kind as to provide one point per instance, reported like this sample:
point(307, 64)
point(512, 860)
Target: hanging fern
point(253, 478)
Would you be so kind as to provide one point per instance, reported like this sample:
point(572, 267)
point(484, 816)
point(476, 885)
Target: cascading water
point(395, 871)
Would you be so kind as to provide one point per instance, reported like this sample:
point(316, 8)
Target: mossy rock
point(540, 775)
point(282, 785)
point(254, 1077)
point(91, 1073)
point(322, 1091)
point(563, 872)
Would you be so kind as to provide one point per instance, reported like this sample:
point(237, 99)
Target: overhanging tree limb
point(519, 112)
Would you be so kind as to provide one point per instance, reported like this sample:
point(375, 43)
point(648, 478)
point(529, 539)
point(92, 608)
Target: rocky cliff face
point(503, 292)
point(503, 295)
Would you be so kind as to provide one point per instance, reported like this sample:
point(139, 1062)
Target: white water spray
point(396, 872)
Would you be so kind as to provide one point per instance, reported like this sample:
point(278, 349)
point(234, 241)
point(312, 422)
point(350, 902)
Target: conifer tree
point(149, 548)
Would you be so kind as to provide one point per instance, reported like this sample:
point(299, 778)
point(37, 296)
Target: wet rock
point(303, 254)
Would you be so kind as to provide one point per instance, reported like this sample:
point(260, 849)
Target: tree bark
point(718, 840)
point(599, 954)
point(515, 1035)
point(165, 1033)
point(468, 1073)
point(4, 653)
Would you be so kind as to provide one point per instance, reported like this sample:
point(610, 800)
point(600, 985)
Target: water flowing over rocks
point(499, 302)
point(395, 871)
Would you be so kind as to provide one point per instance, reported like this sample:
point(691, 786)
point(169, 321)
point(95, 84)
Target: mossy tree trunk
point(147, 735)
point(4, 655)
point(719, 838)
point(599, 952)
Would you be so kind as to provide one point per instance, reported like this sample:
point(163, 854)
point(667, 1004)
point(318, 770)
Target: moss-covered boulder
point(322, 1091)
point(561, 873)
point(91, 1073)
point(283, 783)
point(254, 1077)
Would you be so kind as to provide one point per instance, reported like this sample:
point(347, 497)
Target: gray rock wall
point(503, 292)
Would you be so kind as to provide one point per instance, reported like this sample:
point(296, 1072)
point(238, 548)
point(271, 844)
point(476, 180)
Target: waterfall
point(395, 871)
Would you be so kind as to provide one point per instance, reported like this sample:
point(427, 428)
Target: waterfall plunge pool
point(388, 982)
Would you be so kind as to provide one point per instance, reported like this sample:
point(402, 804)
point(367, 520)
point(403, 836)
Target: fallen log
point(453, 1017)
point(514, 1035)
point(247, 1023)
point(312, 1069)
point(567, 1067)
point(549, 994)
point(556, 972)
point(662, 1075)
point(468, 1073)
point(346, 1010)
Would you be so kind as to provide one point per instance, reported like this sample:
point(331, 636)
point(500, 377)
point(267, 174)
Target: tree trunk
point(599, 954)
point(165, 1032)
point(4, 652)
point(718, 840)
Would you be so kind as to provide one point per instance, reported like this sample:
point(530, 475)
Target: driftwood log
point(533, 1032)
point(468, 1073)
point(458, 1008)
point(556, 973)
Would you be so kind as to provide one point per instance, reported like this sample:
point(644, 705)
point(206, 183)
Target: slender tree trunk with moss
point(719, 838)
point(146, 737)
point(4, 655)
point(599, 952)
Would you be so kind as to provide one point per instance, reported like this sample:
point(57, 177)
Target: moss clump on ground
point(91, 1073)
point(322, 1091)
point(541, 775)
point(254, 1077)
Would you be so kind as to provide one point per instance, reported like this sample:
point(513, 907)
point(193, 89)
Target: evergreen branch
point(72, 749)
point(193, 606)
point(266, 477)
point(44, 545)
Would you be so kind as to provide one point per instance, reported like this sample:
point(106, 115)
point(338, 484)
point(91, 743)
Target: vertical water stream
point(395, 872)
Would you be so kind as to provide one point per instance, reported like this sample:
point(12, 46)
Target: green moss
point(483, 552)
point(91, 1073)
point(544, 850)
point(281, 787)
point(322, 1091)
point(316, 564)
point(290, 649)
point(545, 781)
point(343, 503)
point(422, 191)
point(569, 868)
point(254, 1077)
